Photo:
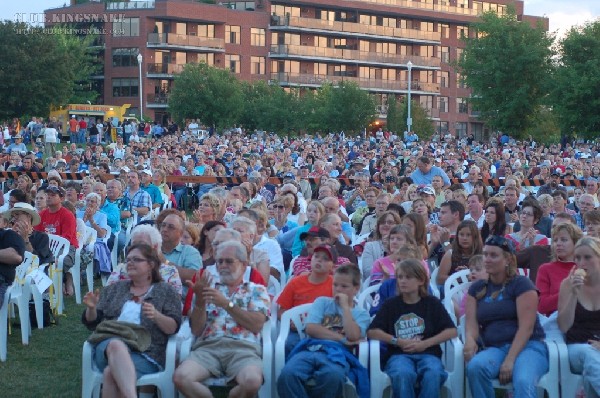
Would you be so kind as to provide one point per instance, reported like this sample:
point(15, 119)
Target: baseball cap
point(315, 231)
point(55, 190)
point(330, 250)
point(291, 176)
point(146, 171)
point(426, 190)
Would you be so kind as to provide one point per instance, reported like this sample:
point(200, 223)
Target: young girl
point(384, 267)
point(476, 272)
point(413, 325)
point(467, 244)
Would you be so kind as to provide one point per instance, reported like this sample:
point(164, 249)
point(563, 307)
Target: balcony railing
point(164, 69)
point(157, 100)
point(172, 39)
point(300, 79)
point(427, 6)
point(352, 55)
point(352, 27)
point(130, 5)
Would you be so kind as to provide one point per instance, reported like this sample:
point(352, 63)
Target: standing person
point(578, 314)
point(413, 324)
point(73, 129)
point(50, 140)
point(501, 314)
point(81, 133)
point(425, 172)
point(59, 221)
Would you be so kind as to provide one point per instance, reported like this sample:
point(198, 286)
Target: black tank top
point(586, 326)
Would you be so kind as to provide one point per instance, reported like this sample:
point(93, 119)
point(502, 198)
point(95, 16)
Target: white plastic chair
point(432, 284)
point(60, 248)
point(89, 271)
point(452, 359)
point(274, 287)
point(167, 204)
point(76, 270)
point(456, 286)
point(113, 253)
point(570, 383)
point(297, 315)
point(19, 296)
point(4, 326)
point(91, 377)
point(267, 361)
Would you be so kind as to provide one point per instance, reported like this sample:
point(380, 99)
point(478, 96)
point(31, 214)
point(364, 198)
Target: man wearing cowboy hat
point(12, 250)
point(21, 218)
point(17, 145)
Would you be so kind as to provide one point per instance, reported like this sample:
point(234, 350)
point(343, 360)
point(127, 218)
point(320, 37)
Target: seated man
point(22, 218)
point(227, 318)
point(312, 238)
point(332, 325)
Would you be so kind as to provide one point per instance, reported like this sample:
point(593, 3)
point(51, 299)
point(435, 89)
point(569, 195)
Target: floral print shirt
point(249, 297)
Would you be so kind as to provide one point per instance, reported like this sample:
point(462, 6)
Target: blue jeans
point(143, 366)
point(585, 359)
point(81, 136)
point(531, 364)
point(329, 378)
point(408, 369)
point(73, 136)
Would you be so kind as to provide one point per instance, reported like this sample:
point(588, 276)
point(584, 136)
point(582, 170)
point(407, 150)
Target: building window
point(461, 105)
point(232, 34)
point(462, 31)
point(460, 81)
point(206, 31)
point(124, 56)
point(257, 37)
point(442, 104)
point(232, 62)
point(461, 129)
point(444, 79)
point(257, 65)
point(208, 58)
point(126, 27)
point(444, 30)
point(125, 87)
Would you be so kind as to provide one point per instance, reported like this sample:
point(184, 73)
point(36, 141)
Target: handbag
point(48, 316)
point(135, 336)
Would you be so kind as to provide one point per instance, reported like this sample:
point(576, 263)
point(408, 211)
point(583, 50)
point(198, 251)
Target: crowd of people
point(215, 249)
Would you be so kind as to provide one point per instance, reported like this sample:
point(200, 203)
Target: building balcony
point(351, 56)
point(376, 85)
point(164, 71)
point(157, 101)
point(279, 22)
point(130, 5)
point(185, 42)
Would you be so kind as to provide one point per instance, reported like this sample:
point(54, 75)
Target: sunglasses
point(501, 242)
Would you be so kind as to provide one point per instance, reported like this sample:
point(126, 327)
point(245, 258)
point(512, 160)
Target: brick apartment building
point(299, 43)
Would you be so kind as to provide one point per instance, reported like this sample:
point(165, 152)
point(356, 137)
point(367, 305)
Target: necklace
point(137, 298)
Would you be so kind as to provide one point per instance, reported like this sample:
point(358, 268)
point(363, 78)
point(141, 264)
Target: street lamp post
point(139, 59)
point(408, 117)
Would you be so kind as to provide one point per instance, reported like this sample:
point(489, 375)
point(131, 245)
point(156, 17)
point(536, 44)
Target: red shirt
point(73, 124)
point(82, 124)
point(61, 223)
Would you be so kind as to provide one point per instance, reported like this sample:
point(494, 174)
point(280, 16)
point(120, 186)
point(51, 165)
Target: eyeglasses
point(390, 222)
point(226, 261)
point(526, 214)
point(135, 260)
point(278, 207)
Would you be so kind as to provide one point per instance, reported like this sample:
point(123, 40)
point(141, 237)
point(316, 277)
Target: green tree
point(343, 106)
point(577, 81)
point(206, 93)
point(393, 121)
point(507, 65)
point(421, 123)
point(268, 107)
point(37, 70)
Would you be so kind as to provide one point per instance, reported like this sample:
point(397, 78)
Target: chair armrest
point(171, 354)
point(363, 353)
point(374, 357)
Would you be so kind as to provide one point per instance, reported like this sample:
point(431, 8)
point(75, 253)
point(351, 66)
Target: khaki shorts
point(226, 357)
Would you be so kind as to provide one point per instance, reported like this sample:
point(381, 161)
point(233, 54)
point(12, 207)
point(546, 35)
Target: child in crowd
point(413, 325)
point(333, 324)
point(384, 268)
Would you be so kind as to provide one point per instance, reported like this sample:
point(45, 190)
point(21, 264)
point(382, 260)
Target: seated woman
point(579, 314)
point(414, 353)
point(530, 214)
point(375, 249)
point(504, 338)
point(207, 235)
point(144, 300)
point(94, 218)
point(550, 275)
point(466, 244)
point(149, 235)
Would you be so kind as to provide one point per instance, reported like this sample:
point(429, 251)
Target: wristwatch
point(446, 244)
point(394, 341)
point(230, 305)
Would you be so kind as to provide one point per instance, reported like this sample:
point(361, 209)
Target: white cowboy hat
point(26, 208)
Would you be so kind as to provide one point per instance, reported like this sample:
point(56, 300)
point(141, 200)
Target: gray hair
point(233, 234)
point(151, 232)
point(220, 193)
point(94, 195)
point(239, 250)
point(248, 223)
